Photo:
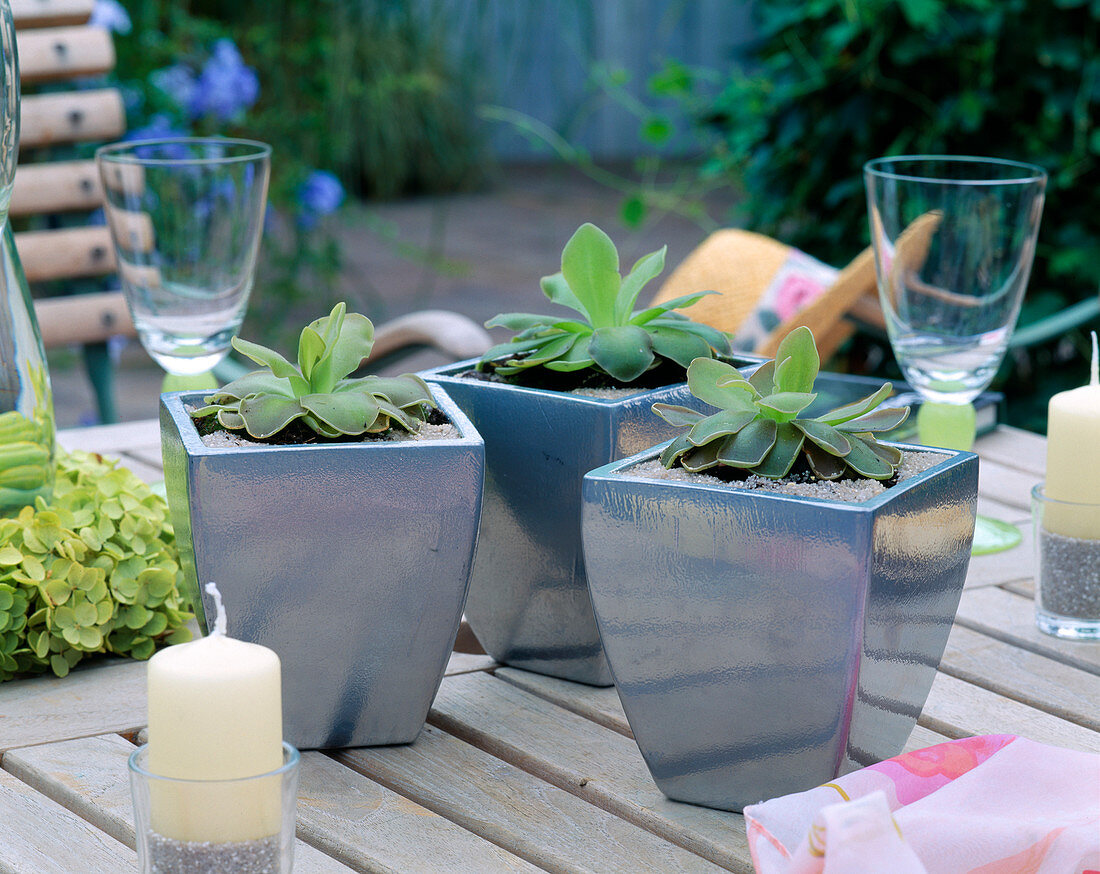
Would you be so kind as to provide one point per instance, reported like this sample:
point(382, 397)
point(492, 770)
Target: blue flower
point(110, 15)
point(179, 83)
point(160, 127)
point(319, 195)
point(226, 86)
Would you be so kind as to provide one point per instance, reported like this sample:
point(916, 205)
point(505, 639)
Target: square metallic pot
point(761, 643)
point(351, 561)
point(529, 604)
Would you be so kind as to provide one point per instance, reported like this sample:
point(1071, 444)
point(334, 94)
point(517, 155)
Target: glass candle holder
point(239, 826)
point(1067, 566)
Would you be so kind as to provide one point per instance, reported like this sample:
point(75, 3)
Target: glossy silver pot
point(351, 561)
point(529, 604)
point(762, 643)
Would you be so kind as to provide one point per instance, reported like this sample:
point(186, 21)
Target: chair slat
point(50, 13)
point(83, 318)
point(60, 186)
point(53, 53)
point(69, 253)
point(82, 116)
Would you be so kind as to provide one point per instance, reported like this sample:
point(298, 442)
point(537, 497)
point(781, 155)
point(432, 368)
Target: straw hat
point(767, 288)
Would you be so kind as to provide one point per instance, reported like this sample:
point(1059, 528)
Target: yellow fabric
point(740, 265)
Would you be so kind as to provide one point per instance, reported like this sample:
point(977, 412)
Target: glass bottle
point(26, 402)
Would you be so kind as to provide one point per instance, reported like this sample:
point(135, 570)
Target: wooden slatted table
point(515, 771)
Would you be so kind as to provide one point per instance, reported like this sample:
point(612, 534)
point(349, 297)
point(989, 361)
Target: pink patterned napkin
point(996, 804)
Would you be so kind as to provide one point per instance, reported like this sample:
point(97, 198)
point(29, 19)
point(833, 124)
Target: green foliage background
point(833, 83)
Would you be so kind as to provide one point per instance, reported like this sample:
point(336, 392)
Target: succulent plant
point(94, 571)
point(611, 336)
point(317, 392)
point(758, 427)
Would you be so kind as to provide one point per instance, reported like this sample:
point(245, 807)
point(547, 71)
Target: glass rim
point(1029, 173)
point(123, 152)
point(1039, 494)
point(290, 754)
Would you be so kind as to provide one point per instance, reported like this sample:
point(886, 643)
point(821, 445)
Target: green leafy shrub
point(611, 336)
point(828, 84)
point(95, 571)
point(317, 392)
point(759, 429)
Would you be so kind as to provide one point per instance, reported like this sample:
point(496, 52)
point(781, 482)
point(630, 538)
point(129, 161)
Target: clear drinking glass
point(241, 826)
point(954, 238)
point(186, 217)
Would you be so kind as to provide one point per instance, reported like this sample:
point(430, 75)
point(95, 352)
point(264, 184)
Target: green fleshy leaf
point(721, 424)
point(624, 352)
point(749, 446)
point(346, 354)
point(857, 408)
point(590, 265)
point(720, 340)
point(885, 419)
point(702, 457)
point(788, 444)
point(520, 321)
point(346, 412)
point(679, 346)
point(824, 464)
point(763, 378)
point(268, 414)
point(825, 436)
point(275, 362)
point(675, 449)
point(705, 376)
point(796, 362)
point(646, 269)
point(310, 349)
point(865, 462)
point(787, 403)
point(677, 415)
point(558, 291)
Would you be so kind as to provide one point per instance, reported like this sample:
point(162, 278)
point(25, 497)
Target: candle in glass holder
point(1073, 458)
point(215, 713)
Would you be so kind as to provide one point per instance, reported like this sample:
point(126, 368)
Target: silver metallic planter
point(762, 643)
point(351, 561)
point(529, 603)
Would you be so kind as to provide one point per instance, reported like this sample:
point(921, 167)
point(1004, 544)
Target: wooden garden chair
point(54, 199)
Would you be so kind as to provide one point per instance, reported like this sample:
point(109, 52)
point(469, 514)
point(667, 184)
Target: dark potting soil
point(665, 373)
point(296, 433)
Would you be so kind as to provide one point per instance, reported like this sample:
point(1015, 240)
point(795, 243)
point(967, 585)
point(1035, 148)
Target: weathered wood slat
point(103, 697)
point(52, 53)
point(1014, 447)
point(1006, 484)
point(50, 13)
point(1024, 676)
point(515, 810)
point(1011, 618)
point(465, 663)
point(89, 777)
point(39, 836)
point(77, 116)
point(67, 253)
point(1000, 567)
point(959, 709)
point(59, 186)
point(999, 510)
point(372, 828)
point(112, 439)
point(586, 759)
point(84, 318)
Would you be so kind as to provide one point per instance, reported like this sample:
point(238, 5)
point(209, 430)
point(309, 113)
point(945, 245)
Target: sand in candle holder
point(1069, 576)
point(169, 856)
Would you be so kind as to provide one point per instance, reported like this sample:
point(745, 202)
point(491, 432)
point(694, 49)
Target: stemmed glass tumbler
point(186, 216)
point(954, 239)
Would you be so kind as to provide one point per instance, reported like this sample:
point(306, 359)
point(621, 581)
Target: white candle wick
point(221, 626)
point(1094, 379)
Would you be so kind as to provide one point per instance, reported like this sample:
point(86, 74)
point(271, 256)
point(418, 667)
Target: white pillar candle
point(1073, 457)
point(215, 713)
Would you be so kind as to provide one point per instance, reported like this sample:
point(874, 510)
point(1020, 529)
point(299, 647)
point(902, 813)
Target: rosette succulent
point(318, 391)
point(759, 429)
point(611, 335)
